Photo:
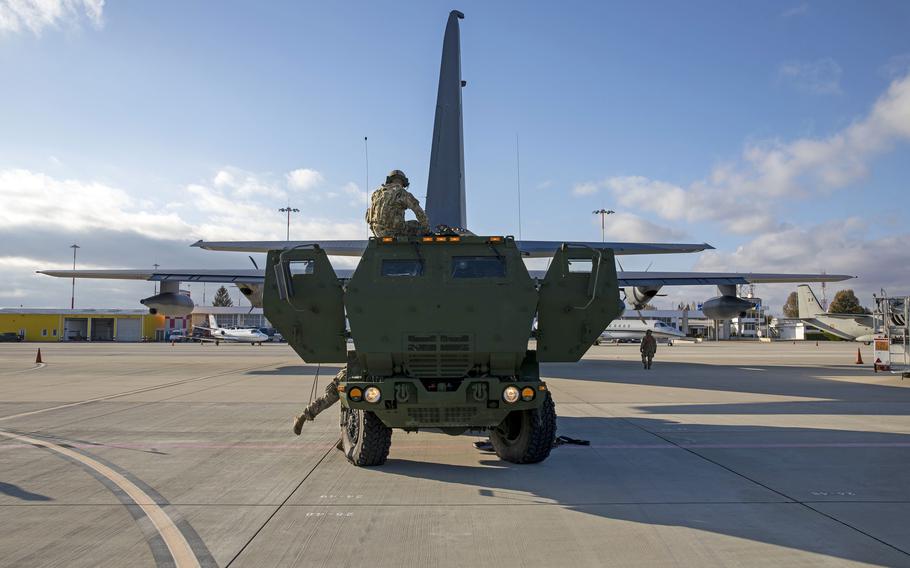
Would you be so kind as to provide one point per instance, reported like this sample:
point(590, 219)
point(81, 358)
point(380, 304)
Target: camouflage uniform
point(328, 399)
point(388, 203)
point(648, 349)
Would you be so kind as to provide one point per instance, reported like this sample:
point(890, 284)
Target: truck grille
point(438, 355)
point(450, 415)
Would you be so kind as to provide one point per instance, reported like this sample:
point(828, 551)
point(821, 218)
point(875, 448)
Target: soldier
point(388, 204)
point(328, 399)
point(648, 349)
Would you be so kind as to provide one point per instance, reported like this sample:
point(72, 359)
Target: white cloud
point(798, 10)
point(819, 77)
point(304, 179)
point(358, 196)
point(628, 227)
point(36, 15)
point(744, 194)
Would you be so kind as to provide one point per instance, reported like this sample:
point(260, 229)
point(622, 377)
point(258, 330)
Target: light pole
point(603, 215)
point(75, 247)
point(289, 210)
point(156, 265)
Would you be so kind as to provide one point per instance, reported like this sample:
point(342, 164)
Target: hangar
point(38, 324)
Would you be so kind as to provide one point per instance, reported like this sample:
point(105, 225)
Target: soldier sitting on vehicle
point(388, 205)
point(386, 219)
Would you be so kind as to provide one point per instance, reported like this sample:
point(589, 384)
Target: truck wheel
point(526, 436)
point(365, 440)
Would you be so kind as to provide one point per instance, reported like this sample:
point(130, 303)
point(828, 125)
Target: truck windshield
point(478, 267)
point(401, 267)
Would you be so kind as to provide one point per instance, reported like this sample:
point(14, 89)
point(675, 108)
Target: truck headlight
point(527, 394)
point(355, 394)
point(510, 394)
point(372, 395)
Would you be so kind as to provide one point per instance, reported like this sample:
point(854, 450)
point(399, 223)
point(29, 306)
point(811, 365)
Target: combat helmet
point(398, 174)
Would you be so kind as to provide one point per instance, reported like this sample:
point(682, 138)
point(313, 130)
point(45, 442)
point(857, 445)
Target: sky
point(778, 132)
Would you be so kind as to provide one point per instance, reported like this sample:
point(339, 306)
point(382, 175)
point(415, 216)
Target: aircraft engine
point(253, 293)
point(169, 304)
point(639, 296)
point(725, 307)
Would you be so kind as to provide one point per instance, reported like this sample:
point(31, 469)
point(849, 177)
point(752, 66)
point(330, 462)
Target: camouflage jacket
point(385, 214)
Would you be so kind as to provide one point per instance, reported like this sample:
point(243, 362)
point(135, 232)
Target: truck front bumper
point(405, 403)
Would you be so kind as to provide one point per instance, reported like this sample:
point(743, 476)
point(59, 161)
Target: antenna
point(518, 177)
point(366, 187)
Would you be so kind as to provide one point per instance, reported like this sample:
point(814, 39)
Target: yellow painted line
point(177, 545)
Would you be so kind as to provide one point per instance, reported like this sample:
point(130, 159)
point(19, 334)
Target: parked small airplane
point(238, 335)
point(634, 329)
point(852, 327)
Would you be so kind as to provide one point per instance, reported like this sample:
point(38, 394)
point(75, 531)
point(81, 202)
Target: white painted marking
point(751, 369)
point(177, 545)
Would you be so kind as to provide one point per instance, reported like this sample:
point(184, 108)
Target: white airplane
point(852, 327)
point(446, 207)
point(635, 329)
point(238, 335)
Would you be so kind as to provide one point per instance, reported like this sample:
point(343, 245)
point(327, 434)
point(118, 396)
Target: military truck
point(441, 326)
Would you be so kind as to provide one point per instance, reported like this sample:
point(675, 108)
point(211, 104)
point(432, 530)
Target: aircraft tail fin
point(809, 307)
point(213, 323)
point(445, 183)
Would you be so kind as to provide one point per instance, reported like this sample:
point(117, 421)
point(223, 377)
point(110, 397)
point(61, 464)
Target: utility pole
point(289, 210)
point(156, 265)
point(603, 224)
point(73, 246)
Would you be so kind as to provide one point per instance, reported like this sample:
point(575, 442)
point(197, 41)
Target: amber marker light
point(388, 239)
point(440, 239)
point(427, 239)
point(355, 394)
point(527, 394)
point(495, 239)
point(454, 239)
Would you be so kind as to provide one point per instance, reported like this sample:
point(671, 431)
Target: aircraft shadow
point(846, 397)
point(19, 493)
point(703, 480)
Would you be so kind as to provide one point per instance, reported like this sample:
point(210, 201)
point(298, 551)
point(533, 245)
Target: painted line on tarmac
point(180, 552)
point(128, 393)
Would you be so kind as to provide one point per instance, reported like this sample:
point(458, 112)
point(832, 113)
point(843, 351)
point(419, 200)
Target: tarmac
point(729, 454)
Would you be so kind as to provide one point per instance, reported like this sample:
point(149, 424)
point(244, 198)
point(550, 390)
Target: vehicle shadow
point(307, 370)
point(750, 482)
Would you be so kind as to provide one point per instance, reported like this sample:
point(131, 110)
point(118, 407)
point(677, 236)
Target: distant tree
point(222, 298)
point(791, 307)
point(846, 302)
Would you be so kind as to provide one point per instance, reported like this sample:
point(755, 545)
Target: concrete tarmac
point(732, 454)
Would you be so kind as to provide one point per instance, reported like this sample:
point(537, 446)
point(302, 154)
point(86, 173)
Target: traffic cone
point(859, 357)
point(38, 358)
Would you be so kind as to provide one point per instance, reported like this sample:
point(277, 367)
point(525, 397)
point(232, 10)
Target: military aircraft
point(852, 327)
point(446, 207)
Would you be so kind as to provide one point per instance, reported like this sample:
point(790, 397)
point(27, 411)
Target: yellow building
point(83, 325)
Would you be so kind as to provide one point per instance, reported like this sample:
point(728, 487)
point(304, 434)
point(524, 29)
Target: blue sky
point(776, 131)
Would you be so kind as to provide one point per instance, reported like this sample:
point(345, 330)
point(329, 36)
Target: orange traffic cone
point(859, 357)
point(38, 358)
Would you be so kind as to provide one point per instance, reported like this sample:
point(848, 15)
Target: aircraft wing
point(530, 249)
point(720, 278)
point(227, 275)
point(219, 275)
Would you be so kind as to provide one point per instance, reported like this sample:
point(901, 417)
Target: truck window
point(301, 267)
point(396, 267)
point(580, 265)
point(478, 267)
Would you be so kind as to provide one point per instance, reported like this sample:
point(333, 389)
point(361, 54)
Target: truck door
point(304, 301)
point(579, 297)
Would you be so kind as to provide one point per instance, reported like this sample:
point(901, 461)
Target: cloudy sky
point(779, 132)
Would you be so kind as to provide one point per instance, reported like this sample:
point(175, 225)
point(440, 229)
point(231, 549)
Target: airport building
point(52, 324)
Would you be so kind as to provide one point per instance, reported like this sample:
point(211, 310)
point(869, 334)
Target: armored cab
point(441, 327)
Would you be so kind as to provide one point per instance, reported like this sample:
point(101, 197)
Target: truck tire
point(365, 440)
point(526, 436)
